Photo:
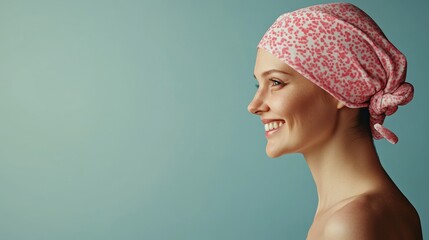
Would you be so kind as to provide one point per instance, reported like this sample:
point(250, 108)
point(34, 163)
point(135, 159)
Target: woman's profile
point(327, 78)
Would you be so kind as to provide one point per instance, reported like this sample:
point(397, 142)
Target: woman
point(327, 77)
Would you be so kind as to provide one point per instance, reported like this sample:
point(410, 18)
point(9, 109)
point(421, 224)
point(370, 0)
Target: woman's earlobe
point(340, 105)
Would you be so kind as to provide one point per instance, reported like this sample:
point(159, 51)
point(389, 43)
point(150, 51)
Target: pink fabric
point(342, 50)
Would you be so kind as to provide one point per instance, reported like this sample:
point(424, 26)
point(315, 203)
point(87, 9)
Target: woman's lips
point(271, 126)
point(268, 133)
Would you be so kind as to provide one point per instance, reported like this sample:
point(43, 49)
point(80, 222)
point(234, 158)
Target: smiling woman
point(327, 77)
point(297, 106)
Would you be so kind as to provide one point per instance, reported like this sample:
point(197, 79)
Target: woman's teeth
point(272, 125)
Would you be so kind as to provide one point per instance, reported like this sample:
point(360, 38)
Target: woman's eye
point(275, 82)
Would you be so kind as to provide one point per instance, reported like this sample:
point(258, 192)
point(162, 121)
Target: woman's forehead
point(266, 61)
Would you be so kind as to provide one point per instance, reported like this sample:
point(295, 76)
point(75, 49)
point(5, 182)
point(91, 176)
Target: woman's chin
point(274, 150)
point(273, 153)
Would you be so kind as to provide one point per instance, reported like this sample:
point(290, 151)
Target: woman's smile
point(271, 126)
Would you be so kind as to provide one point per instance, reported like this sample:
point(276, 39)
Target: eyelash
point(275, 83)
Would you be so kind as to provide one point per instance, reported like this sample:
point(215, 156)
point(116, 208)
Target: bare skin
point(357, 199)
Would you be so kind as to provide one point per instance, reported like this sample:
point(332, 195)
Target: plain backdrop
point(128, 120)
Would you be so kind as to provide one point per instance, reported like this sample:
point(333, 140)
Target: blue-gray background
point(127, 120)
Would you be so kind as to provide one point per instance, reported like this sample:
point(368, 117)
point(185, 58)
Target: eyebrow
point(271, 71)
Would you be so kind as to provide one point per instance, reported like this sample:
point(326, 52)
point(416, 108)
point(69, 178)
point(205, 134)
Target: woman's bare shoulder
point(358, 219)
point(373, 216)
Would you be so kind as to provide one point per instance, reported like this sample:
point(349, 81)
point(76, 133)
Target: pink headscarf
point(341, 49)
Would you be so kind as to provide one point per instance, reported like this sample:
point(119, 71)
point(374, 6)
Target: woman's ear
point(340, 104)
point(332, 100)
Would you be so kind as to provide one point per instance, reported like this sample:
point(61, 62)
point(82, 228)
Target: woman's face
point(297, 114)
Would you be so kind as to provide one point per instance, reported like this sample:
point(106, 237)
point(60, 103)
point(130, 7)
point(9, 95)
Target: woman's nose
point(257, 105)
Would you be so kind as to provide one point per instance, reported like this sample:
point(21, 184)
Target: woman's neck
point(344, 167)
